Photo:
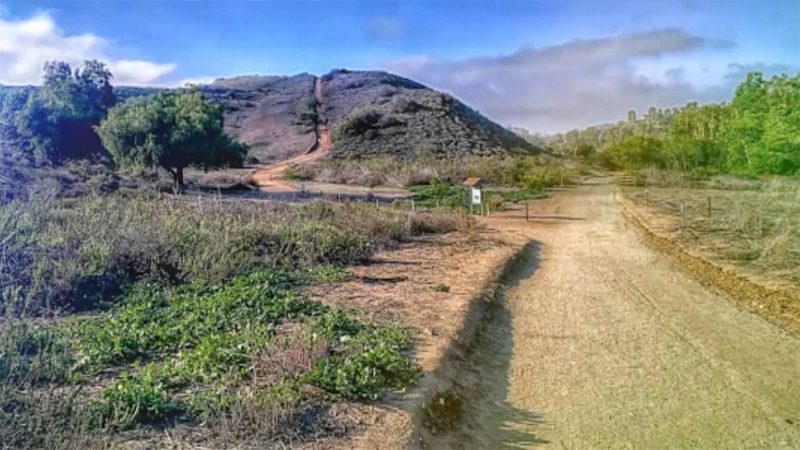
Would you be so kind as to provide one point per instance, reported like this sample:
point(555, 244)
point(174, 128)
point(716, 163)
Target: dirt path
point(268, 178)
point(603, 343)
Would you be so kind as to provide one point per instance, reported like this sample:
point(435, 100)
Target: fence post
point(527, 216)
point(413, 205)
point(682, 220)
point(709, 206)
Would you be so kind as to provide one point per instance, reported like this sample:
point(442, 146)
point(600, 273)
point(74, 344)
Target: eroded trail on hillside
point(604, 343)
point(268, 178)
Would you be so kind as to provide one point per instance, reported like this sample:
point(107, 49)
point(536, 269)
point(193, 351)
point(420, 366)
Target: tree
point(171, 130)
point(57, 120)
point(637, 152)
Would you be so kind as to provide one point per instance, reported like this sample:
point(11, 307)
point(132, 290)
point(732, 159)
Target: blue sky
point(590, 60)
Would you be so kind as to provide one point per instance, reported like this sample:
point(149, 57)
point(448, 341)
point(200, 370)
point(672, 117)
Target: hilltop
point(369, 113)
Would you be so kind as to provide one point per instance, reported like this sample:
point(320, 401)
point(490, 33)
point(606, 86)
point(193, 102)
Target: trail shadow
point(493, 422)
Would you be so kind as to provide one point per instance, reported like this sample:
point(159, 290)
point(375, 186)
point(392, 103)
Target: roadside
point(433, 285)
point(601, 342)
point(761, 277)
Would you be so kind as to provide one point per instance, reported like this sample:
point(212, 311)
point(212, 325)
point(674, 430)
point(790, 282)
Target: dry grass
point(758, 229)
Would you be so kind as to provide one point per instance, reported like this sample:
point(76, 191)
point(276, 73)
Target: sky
point(548, 66)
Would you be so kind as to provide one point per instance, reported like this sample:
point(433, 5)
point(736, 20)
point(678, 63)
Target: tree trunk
point(177, 178)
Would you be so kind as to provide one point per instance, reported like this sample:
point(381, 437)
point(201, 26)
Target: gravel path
point(604, 343)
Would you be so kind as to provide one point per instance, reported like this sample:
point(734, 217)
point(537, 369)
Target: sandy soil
point(603, 343)
point(268, 178)
point(397, 286)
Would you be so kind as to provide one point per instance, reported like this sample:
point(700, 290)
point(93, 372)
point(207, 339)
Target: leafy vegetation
point(443, 412)
point(192, 350)
point(757, 133)
point(54, 123)
point(74, 254)
point(193, 314)
point(527, 172)
point(172, 130)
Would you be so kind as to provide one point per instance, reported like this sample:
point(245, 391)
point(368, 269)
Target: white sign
point(476, 196)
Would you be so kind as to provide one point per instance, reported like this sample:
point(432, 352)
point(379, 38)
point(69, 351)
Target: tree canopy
point(56, 120)
point(171, 130)
point(757, 133)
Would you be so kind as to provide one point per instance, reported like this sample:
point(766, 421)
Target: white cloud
point(583, 82)
point(193, 81)
point(25, 45)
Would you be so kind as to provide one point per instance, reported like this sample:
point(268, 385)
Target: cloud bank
point(25, 46)
point(577, 84)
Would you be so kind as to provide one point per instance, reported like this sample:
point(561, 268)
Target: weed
point(443, 412)
point(440, 287)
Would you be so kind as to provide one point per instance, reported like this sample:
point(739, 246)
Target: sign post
point(475, 193)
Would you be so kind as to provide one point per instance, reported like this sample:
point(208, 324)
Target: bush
point(443, 412)
point(75, 253)
point(386, 171)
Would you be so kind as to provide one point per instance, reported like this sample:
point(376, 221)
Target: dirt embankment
point(399, 286)
point(777, 304)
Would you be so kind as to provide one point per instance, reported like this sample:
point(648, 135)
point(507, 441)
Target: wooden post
point(527, 215)
point(709, 206)
point(682, 220)
point(413, 205)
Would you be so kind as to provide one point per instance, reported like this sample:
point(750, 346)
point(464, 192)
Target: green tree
point(637, 152)
point(58, 120)
point(171, 130)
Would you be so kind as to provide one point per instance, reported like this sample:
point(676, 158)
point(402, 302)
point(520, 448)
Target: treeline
point(74, 116)
point(757, 133)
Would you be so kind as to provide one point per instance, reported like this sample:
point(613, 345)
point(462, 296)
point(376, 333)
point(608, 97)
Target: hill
point(377, 114)
point(369, 113)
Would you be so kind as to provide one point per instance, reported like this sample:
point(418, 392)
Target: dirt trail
point(268, 178)
point(604, 343)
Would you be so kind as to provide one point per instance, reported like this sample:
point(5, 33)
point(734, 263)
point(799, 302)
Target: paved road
point(606, 344)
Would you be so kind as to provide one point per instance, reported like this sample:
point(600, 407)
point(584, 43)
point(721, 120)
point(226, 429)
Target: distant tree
point(638, 152)
point(171, 130)
point(585, 151)
point(57, 120)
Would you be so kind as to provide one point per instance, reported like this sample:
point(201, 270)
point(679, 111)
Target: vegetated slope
point(369, 113)
point(379, 114)
point(273, 115)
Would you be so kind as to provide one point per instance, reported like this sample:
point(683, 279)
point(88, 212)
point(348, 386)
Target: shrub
point(140, 398)
point(440, 287)
point(443, 412)
point(75, 253)
point(371, 360)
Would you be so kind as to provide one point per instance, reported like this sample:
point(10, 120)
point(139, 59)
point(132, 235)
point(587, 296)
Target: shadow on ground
point(489, 420)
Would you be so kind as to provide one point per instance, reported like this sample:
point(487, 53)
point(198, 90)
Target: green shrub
point(74, 254)
point(371, 360)
point(443, 412)
point(140, 398)
point(440, 287)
